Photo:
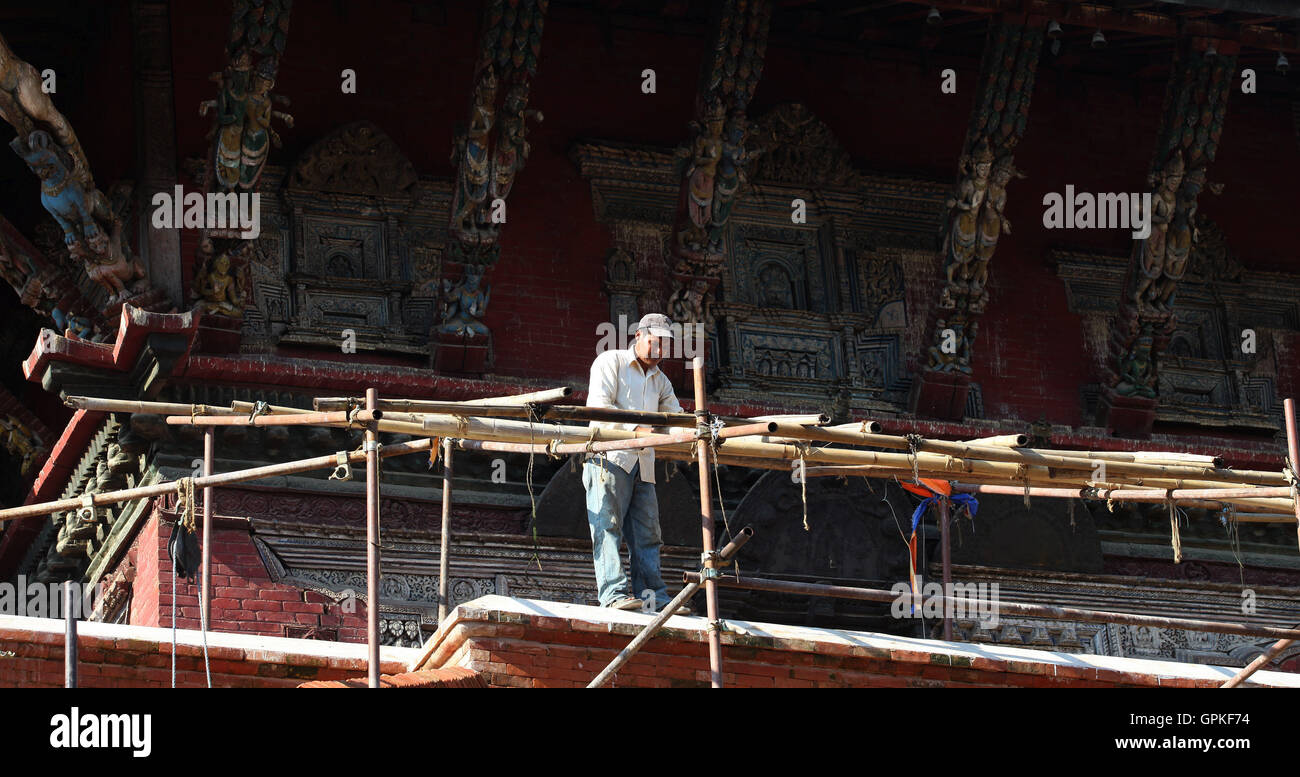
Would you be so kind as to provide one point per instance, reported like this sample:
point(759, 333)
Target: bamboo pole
point(222, 479)
point(372, 540)
point(415, 405)
point(1004, 440)
point(1037, 470)
point(280, 419)
point(1293, 456)
point(957, 450)
point(134, 406)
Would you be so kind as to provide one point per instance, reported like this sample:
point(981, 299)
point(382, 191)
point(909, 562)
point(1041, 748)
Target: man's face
point(650, 349)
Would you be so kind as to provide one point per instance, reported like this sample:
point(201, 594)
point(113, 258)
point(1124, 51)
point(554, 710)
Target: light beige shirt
point(618, 381)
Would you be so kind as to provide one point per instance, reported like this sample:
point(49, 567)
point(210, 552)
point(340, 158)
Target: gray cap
point(657, 324)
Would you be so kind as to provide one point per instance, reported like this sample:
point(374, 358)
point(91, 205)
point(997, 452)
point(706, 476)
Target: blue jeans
point(620, 506)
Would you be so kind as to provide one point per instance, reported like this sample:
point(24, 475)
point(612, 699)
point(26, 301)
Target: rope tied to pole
point(1022, 471)
point(197, 410)
point(531, 409)
point(914, 442)
point(1175, 539)
point(550, 449)
point(715, 426)
point(802, 446)
point(259, 408)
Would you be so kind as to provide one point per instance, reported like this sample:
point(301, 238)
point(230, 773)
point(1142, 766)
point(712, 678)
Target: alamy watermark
point(96, 730)
point(215, 210)
point(1107, 210)
point(977, 601)
point(45, 600)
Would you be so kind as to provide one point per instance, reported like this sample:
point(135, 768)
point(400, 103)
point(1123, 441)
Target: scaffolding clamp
point(342, 469)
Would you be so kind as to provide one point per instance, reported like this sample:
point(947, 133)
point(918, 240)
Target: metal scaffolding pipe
point(372, 540)
point(445, 541)
point(706, 524)
point(1002, 607)
point(946, 559)
point(69, 638)
point(205, 583)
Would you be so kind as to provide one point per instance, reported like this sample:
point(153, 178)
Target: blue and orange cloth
point(932, 490)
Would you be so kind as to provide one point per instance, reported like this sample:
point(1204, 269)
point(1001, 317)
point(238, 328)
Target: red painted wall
point(414, 81)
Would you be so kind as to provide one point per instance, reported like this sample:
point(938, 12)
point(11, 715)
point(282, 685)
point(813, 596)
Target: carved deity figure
point(952, 345)
point(512, 148)
point(689, 304)
point(464, 304)
point(472, 157)
point(1137, 371)
point(1154, 250)
point(27, 107)
point(71, 205)
point(730, 177)
point(992, 224)
point(706, 152)
point(962, 238)
point(244, 109)
point(219, 291)
point(19, 441)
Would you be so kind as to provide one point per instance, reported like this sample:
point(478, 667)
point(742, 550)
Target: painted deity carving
point(27, 107)
point(513, 149)
point(705, 155)
point(952, 348)
point(464, 304)
point(689, 304)
point(472, 157)
point(1137, 370)
point(992, 224)
point(220, 291)
point(19, 441)
point(962, 238)
point(1155, 249)
point(82, 214)
point(243, 112)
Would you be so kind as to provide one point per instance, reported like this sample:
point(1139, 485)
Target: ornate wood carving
point(1195, 102)
point(491, 150)
point(715, 158)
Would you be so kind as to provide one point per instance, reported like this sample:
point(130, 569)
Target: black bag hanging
point(183, 549)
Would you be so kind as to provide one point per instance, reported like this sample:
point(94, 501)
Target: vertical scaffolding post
point(1293, 462)
point(1293, 452)
point(708, 558)
point(69, 638)
point(205, 586)
point(946, 549)
point(372, 538)
point(443, 587)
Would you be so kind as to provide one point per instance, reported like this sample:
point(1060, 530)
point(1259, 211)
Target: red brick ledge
point(117, 655)
point(451, 677)
point(530, 643)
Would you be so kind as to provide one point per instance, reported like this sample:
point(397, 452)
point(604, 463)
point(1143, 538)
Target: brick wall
point(244, 598)
point(534, 644)
point(117, 656)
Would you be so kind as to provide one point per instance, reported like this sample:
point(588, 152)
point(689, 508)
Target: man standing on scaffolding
point(621, 501)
